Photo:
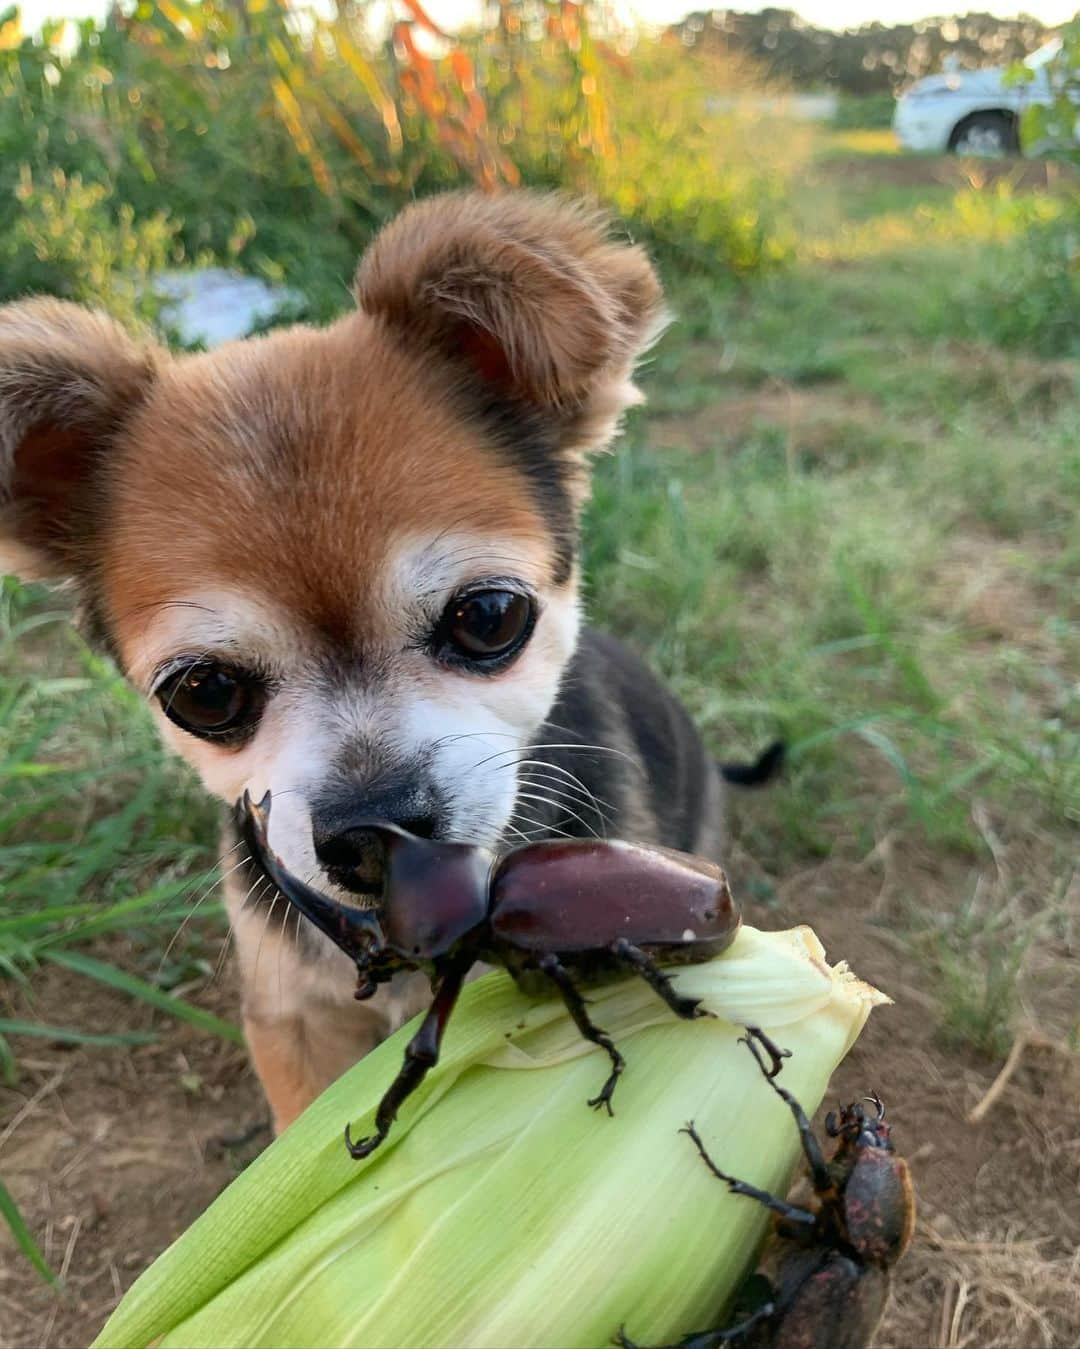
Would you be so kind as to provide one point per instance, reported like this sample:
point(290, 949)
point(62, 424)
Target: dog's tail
point(764, 768)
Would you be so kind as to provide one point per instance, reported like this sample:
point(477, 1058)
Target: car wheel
point(985, 135)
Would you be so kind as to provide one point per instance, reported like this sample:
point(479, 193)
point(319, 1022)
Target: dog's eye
point(212, 701)
point(485, 627)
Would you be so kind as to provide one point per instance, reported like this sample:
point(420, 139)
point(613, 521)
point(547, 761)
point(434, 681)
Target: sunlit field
point(846, 515)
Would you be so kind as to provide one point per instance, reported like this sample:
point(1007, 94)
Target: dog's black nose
point(353, 854)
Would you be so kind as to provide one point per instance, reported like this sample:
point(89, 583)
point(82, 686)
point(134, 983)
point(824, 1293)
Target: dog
point(342, 564)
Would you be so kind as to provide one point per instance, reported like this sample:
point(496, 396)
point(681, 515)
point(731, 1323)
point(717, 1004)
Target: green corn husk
point(501, 1211)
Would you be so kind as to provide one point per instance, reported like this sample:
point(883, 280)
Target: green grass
point(99, 833)
point(880, 563)
point(24, 1238)
point(866, 112)
point(847, 515)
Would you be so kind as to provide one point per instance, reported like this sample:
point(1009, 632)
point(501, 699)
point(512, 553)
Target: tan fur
point(373, 454)
point(539, 276)
point(288, 468)
point(297, 1058)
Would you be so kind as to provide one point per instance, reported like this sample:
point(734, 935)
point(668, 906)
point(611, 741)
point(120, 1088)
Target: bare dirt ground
point(112, 1153)
point(920, 170)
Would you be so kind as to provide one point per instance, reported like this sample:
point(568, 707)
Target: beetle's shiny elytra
point(578, 894)
point(546, 912)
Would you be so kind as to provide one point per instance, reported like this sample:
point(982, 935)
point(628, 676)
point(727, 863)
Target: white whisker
point(219, 964)
point(576, 748)
point(597, 801)
point(543, 784)
point(218, 880)
point(540, 828)
point(261, 883)
point(562, 810)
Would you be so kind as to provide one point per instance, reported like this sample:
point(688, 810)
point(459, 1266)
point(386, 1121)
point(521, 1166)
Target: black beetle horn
point(353, 930)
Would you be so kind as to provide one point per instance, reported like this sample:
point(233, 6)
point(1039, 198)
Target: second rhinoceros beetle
point(834, 1270)
point(545, 912)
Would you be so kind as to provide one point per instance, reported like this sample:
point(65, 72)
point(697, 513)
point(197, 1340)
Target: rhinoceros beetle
point(546, 912)
point(833, 1277)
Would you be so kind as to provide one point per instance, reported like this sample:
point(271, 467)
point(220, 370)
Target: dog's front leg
point(297, 1057)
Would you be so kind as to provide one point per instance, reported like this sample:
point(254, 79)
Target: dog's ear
point(69, 379)
point(528, 293)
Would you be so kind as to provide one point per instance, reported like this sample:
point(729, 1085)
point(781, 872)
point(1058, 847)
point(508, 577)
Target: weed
point(99, 832)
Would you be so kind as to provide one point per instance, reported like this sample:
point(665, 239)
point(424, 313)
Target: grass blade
point(74, 1037)
point(905, 661)
point(53, 914)
point(139, 988)
point(23, 1238)
point(9, 1072)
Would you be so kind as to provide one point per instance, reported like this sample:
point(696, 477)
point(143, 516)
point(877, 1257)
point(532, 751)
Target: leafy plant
point(69, 238)
point(1054, 127)
point(279, 138)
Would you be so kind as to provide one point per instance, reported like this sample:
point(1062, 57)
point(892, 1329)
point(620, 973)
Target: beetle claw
point(603, 1100)
point(365, 1147)
point(775, 1053)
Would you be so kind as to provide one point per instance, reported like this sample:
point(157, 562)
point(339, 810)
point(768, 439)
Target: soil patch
point(1027, 175)
point(111, 1153)
point(816, 423)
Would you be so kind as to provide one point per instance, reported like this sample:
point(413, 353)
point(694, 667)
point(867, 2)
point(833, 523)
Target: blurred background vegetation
point(278, 138)
point(871, 59)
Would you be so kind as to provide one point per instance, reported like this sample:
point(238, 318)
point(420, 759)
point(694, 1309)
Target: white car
point(972, 112)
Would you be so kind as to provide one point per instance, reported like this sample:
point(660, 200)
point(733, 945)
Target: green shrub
point(871, 112)
point(1029, 294)
point(699, 176)
point(1054, 128)
point(219, 132)
point(61, 236)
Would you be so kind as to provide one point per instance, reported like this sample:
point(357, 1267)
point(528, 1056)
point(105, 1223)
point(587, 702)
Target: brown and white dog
point(342, 564)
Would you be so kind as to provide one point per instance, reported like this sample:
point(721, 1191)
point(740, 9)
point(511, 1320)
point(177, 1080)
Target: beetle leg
point(709, 1339)
point(635, 957)
point(421, 1054)
point(770, 1047)
point(575, 1005)
point(794, 1214)
point(819, 1169)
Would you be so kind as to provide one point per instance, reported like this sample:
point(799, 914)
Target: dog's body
point(342, 565)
